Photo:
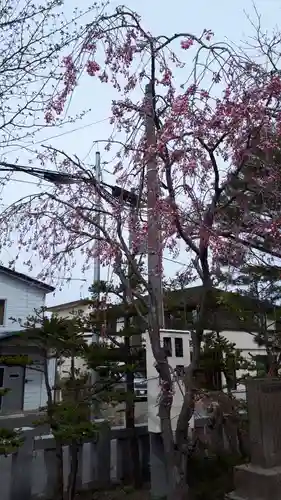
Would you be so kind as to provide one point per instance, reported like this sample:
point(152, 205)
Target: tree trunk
point(130, 420)
point(165, 404)
point(74, 446)
point(59, 452)
point(72, 478)
point(60, 481)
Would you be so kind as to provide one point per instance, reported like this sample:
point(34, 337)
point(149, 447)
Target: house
point(237, 322)
point(236, 317)
point(20, 295)
point(67, 310)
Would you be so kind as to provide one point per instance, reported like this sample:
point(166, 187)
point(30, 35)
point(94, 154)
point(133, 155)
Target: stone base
point(256, 483)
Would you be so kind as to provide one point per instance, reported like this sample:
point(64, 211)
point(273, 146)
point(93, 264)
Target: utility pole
point(97, 235)
point(154, 243)
point(158, 471)
point(98, 218)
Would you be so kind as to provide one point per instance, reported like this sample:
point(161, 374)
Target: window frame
point(4, 301)
point(168, 349)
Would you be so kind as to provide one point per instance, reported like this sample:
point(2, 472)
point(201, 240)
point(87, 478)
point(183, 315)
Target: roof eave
point(26, 279)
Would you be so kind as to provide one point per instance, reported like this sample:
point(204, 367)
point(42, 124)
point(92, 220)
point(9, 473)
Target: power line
point(59, 135)
point(174, 261)
point(25, 182)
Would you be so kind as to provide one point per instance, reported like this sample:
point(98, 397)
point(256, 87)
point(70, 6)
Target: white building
point(230, 328)
point(20, 295)
point(245, 342)
point(177, 347)
point(68, 310)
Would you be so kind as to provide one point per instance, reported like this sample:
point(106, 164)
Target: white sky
point(227, 20)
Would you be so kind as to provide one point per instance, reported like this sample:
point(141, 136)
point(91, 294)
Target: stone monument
point(261, 478)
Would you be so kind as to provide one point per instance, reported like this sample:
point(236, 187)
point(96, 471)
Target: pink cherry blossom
point(186, 44)
point(92, 68)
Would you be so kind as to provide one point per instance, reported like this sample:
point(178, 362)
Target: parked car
point(140, 385)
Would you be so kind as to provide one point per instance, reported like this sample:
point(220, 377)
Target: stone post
point(261, 478)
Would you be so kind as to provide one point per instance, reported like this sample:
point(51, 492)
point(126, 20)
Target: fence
point(31, 473)
point(221, 437)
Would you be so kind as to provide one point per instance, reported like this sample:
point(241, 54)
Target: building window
point(261, 365)
point(2, 311)
point(231, 379)
point(179, 370)
point(260, 321)
point(167, 345)
point(191, 315)
point(1, 384)
point(178, 347)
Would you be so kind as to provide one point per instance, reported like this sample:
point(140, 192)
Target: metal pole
point(158, 472)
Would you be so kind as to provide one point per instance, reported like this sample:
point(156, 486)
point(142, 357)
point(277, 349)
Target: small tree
point(129, 356)
point(220, 359)
point(69, 421)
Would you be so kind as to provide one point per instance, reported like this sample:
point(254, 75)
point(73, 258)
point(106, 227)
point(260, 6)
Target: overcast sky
point(227, 19)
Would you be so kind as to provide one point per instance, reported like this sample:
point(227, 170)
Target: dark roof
point(188, 297)
point(69, 305)
point(192, 297)
point(27, 279)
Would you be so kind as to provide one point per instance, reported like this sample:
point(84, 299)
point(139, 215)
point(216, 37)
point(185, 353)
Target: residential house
point(67, 310)
point(234, 316)
point(20, 295)
point(83, 306)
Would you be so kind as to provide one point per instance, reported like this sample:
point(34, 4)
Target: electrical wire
point(60, 135)
point(25, 182)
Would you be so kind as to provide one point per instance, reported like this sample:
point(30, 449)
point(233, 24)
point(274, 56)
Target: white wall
point(35, 394)
point(67, 312)
point(244, 342)
point(153, 387)
point(21, 300)
point(64, 368)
